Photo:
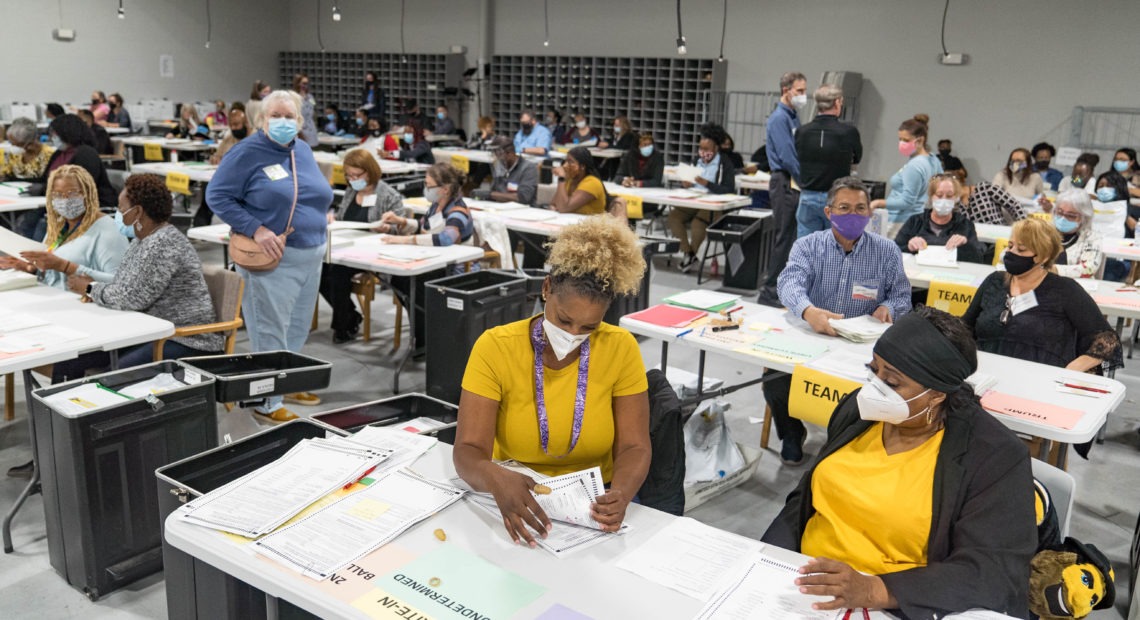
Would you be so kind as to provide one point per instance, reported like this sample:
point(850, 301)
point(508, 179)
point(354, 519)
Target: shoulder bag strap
point(293, 165)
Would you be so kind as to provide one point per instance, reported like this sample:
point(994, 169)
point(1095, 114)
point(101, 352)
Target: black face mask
point(944, 152)
point(1042, 164)
point(240, 134)
point(1015, 264)
point(376, 133)
point(527, 128)
point(94, 102)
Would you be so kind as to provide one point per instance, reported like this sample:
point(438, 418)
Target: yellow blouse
point(501, 367)
point(594, 187)
point(873, 510)
point(15, 167)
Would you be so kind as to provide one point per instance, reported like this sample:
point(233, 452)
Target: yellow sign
point(461, 163)
point(999, 248)
point(152, 151)
point(178, 182)
point(338, 175)
point(633, 206)
point(1042, 216)
point(952, 297)
point(815, 394)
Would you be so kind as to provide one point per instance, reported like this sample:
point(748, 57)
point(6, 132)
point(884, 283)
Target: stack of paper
point(11, 279)
point(84, 398)
point(981, 382)
point(864, 328)
point(162, 382)
point(357, 524)
point(261, 501)
point(702, 299)
point(12, 244)
point(845, 364)
point(937, 256)
point(405, 447)
point(764, 588)
point(666, 315)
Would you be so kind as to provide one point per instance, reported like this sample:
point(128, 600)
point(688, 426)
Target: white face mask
point(561, 342)
point(580, 124)
point(943, 206)
point(799, 101)
point(878, 402)
point(16, 151)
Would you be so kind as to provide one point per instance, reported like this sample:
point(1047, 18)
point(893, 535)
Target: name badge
point(865, 291)
point(368, 201)
point(1023, 302)
point(436, 222)
point(275, 172)
point(512, 187)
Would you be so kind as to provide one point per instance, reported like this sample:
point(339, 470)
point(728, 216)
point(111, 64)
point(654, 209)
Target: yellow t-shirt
point(501, 367)
point(593, 186)
point(873, 510)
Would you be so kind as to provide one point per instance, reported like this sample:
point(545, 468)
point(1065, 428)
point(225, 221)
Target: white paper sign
point(166, 65)
point(261, 386)
point(1066, 156)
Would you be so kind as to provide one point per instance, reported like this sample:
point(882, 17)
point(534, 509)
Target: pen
point(731, 310)
point(866, 616)
point(362, 477)
point(687, 331)
point(1083, 387)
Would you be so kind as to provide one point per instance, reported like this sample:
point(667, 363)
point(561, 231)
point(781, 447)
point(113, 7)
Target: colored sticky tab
point(999, 248)
point(152, 151)
point(1032, 410)
point(634, 207)
point(368, 509)
point(461, 163)
point(952, 297)
point(338, 175)
point(178, 182)
point(450, 582)
point(815, 394)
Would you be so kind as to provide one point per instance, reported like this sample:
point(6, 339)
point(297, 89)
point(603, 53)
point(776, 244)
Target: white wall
point(110, 54)
point(1031, 61)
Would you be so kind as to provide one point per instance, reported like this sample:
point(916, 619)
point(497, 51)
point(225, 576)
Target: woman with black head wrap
point(920, 500)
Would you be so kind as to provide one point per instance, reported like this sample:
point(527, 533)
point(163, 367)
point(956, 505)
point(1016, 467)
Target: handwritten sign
point(178, 182)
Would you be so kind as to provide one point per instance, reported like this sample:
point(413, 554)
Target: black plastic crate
point(96, 467)
point(458, 309)
point(393, 411)
point(753, 238)
point(194, 589)
point(253, 376)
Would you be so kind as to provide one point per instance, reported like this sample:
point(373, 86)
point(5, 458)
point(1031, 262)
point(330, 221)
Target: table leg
point(33, 485)
point(664, 355)
point(412, 339)
point(701, 374)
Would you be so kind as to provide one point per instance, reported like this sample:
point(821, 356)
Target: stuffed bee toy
point(1070, 580)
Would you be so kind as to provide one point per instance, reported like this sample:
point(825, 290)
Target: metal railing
point(1104, 129)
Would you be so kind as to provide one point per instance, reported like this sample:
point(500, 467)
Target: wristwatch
point(90, 286)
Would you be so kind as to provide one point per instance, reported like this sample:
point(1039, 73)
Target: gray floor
point(1107, 496)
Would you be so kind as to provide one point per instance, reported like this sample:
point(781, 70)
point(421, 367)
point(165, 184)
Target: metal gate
point(745, 117)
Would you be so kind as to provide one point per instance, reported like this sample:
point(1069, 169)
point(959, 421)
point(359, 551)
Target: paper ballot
point(689, 557)
point(864, 328)
point(84, 398)
point(261, 501)
point(764, 589)
point(937, 256)
point(687, 172)
point(357, 524)
point(406, 447)
point(12, 244)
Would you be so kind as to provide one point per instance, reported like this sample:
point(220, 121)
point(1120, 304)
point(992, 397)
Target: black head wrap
point(918, 350)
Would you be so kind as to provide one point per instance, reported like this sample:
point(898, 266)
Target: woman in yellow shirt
point(561, 391)
point(919, 500)
point(582, 190)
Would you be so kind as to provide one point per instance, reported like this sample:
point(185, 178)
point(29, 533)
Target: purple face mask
point(850, 226)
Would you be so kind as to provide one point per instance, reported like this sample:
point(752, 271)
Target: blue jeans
point(809, 215)
point(278, 305)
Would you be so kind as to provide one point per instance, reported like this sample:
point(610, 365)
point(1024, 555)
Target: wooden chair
point(364, 287)
point(226, 289)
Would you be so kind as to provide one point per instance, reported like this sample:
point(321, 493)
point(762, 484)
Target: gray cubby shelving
point(669, 97)
point(338, 77)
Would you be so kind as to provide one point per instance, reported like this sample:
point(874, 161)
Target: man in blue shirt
point(532, 138)
point(1043, 154)
point(842, 272)
point(781, 143)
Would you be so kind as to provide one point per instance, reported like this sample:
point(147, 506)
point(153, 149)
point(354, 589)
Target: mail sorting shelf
point(668, 97)
point(95, 469)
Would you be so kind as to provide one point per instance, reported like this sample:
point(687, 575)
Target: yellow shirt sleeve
point(480, 376)
point(593, 186)
point(632, 379)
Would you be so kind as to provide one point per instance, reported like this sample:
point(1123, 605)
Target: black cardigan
point(919, 225)
point(725, 177)
point(86, 158)
point(651, 176)
point(982, 532)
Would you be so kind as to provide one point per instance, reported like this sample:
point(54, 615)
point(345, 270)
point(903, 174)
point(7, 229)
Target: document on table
point(16, 321)
point(162, 382)
point(343, 225)
point(399, 253)
point(84, 398)
point(12, 244)
point(406, 447)
point(38, 338)
point(846, 364)
point(690, 557)
point(261, 501)
point(703, 299)
point(531, 215)
point(687, 172)
point(937, 256)
point(354, 526)
point(571, 496)
point(786, 348)
point(720, 198)
point(764, 589)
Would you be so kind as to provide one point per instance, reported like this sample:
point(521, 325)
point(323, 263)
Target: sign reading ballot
point(815, 394)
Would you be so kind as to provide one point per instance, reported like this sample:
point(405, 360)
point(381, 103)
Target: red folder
point(665, 315)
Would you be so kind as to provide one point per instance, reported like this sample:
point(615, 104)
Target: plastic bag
point(710, 452)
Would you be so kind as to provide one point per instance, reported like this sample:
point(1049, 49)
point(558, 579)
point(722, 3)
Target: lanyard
point(59, 240)
point(539, 343)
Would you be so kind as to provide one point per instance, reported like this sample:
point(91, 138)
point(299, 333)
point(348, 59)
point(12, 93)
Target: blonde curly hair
point(598, 257)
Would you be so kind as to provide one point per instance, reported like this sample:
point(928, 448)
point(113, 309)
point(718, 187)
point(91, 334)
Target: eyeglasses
point(1068, 215)
point(1007, 312)
point(846, 209)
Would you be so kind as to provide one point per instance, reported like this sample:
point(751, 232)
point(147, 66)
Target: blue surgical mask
point(360, 122)
point(1106, 194)
point(646, 151)
point(1065, 226)
point(126, 230)
point(409, 137)
point(330, 116)
point(282, 130)
point(440, 115)
point(358, 184)
point(1120, 165)
point(56, 142)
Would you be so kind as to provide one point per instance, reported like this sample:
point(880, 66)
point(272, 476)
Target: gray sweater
point(387, 199)
point(162, 276)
